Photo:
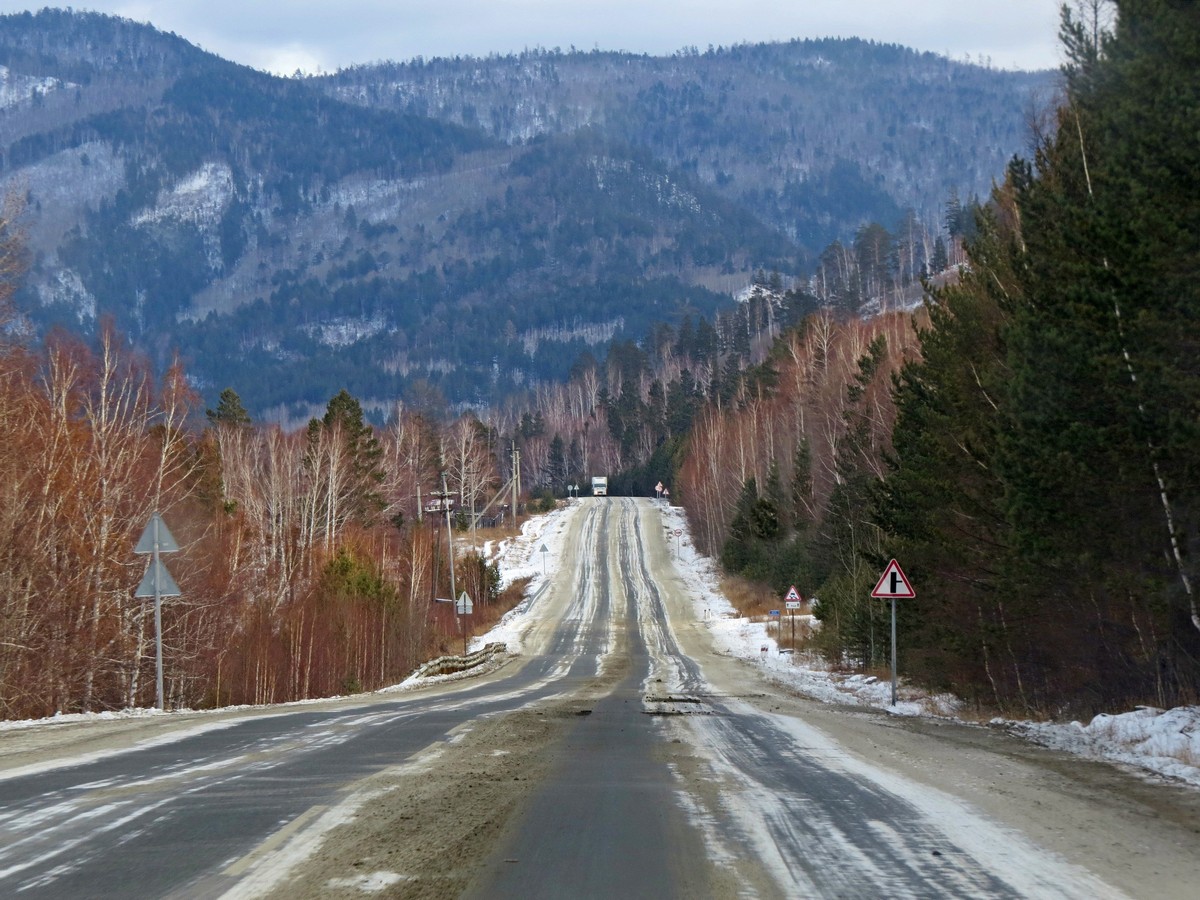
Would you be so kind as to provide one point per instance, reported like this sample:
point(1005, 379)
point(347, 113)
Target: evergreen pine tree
point(941, 504)
point(229, 410)
point(1102, 463)
point(802, 507)
point(344, 416)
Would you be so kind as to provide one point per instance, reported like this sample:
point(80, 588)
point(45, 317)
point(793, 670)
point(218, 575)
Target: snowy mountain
point(455, 228)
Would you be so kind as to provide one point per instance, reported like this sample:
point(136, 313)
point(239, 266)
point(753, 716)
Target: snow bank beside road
point(521, 557)
point(1166, 742)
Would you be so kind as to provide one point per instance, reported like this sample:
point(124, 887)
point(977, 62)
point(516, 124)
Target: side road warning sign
point(894, 584)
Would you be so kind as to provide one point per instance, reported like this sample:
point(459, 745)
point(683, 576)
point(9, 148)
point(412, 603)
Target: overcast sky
point(324, 35)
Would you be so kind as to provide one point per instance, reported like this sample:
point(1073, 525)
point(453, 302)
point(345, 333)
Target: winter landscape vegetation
point(846, 301)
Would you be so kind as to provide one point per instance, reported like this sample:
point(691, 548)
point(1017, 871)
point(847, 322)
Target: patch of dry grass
point(748, 598)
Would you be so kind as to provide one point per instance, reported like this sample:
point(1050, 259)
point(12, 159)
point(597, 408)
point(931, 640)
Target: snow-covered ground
point(201, 197)
point(1163, 741)
point(533, 554)
point(16, 89)
point(1166, 742)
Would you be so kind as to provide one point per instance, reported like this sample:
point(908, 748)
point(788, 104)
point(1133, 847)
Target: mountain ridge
point(457, 225)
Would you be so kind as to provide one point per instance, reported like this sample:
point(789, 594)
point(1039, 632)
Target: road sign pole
point(157, 539)
point(893, 584)
point(792, 601)
point(893, 651)
point(158, 664)
point(464, 606)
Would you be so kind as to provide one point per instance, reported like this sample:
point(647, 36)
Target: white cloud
point(289, 59)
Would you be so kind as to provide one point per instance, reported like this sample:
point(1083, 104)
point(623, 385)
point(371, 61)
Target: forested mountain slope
point(1031, 451)
point(816, 136)
point(456, 229)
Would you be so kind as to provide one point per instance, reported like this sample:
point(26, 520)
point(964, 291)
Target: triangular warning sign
point(166, 584)
point(893, 583)
point(792, 594)
point(156, 533)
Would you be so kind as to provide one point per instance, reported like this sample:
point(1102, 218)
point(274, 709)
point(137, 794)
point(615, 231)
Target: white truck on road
point(599, 486)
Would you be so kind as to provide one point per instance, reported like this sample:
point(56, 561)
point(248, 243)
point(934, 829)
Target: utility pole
point(516, 479)
point(474, 546)
point(450, 553)
point(449, 534)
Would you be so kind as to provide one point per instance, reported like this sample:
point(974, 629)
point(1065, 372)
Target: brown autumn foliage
point(303, 570)
point(93, 448)
point(293, 585)
point(810, 404)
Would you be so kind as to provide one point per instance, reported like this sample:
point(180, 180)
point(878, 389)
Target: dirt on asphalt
point(438, 821)
point(425, 828)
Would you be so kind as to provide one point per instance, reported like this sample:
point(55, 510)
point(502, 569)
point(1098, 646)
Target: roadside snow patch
point(1163, 741)
point(1166, 742)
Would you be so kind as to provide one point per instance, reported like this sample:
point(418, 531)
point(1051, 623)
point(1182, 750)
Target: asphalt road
point(149, 822)
point(607, 823)
point(639, 764)
point(179, 818)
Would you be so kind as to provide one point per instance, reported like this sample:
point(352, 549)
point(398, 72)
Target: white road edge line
point(243, 865)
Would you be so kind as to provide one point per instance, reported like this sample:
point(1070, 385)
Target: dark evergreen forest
point(1041, 480)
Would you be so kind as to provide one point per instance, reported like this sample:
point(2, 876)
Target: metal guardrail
point(449, 665)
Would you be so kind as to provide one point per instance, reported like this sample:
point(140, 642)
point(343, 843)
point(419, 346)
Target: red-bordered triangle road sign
point(792, 594)
point(893, 583)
